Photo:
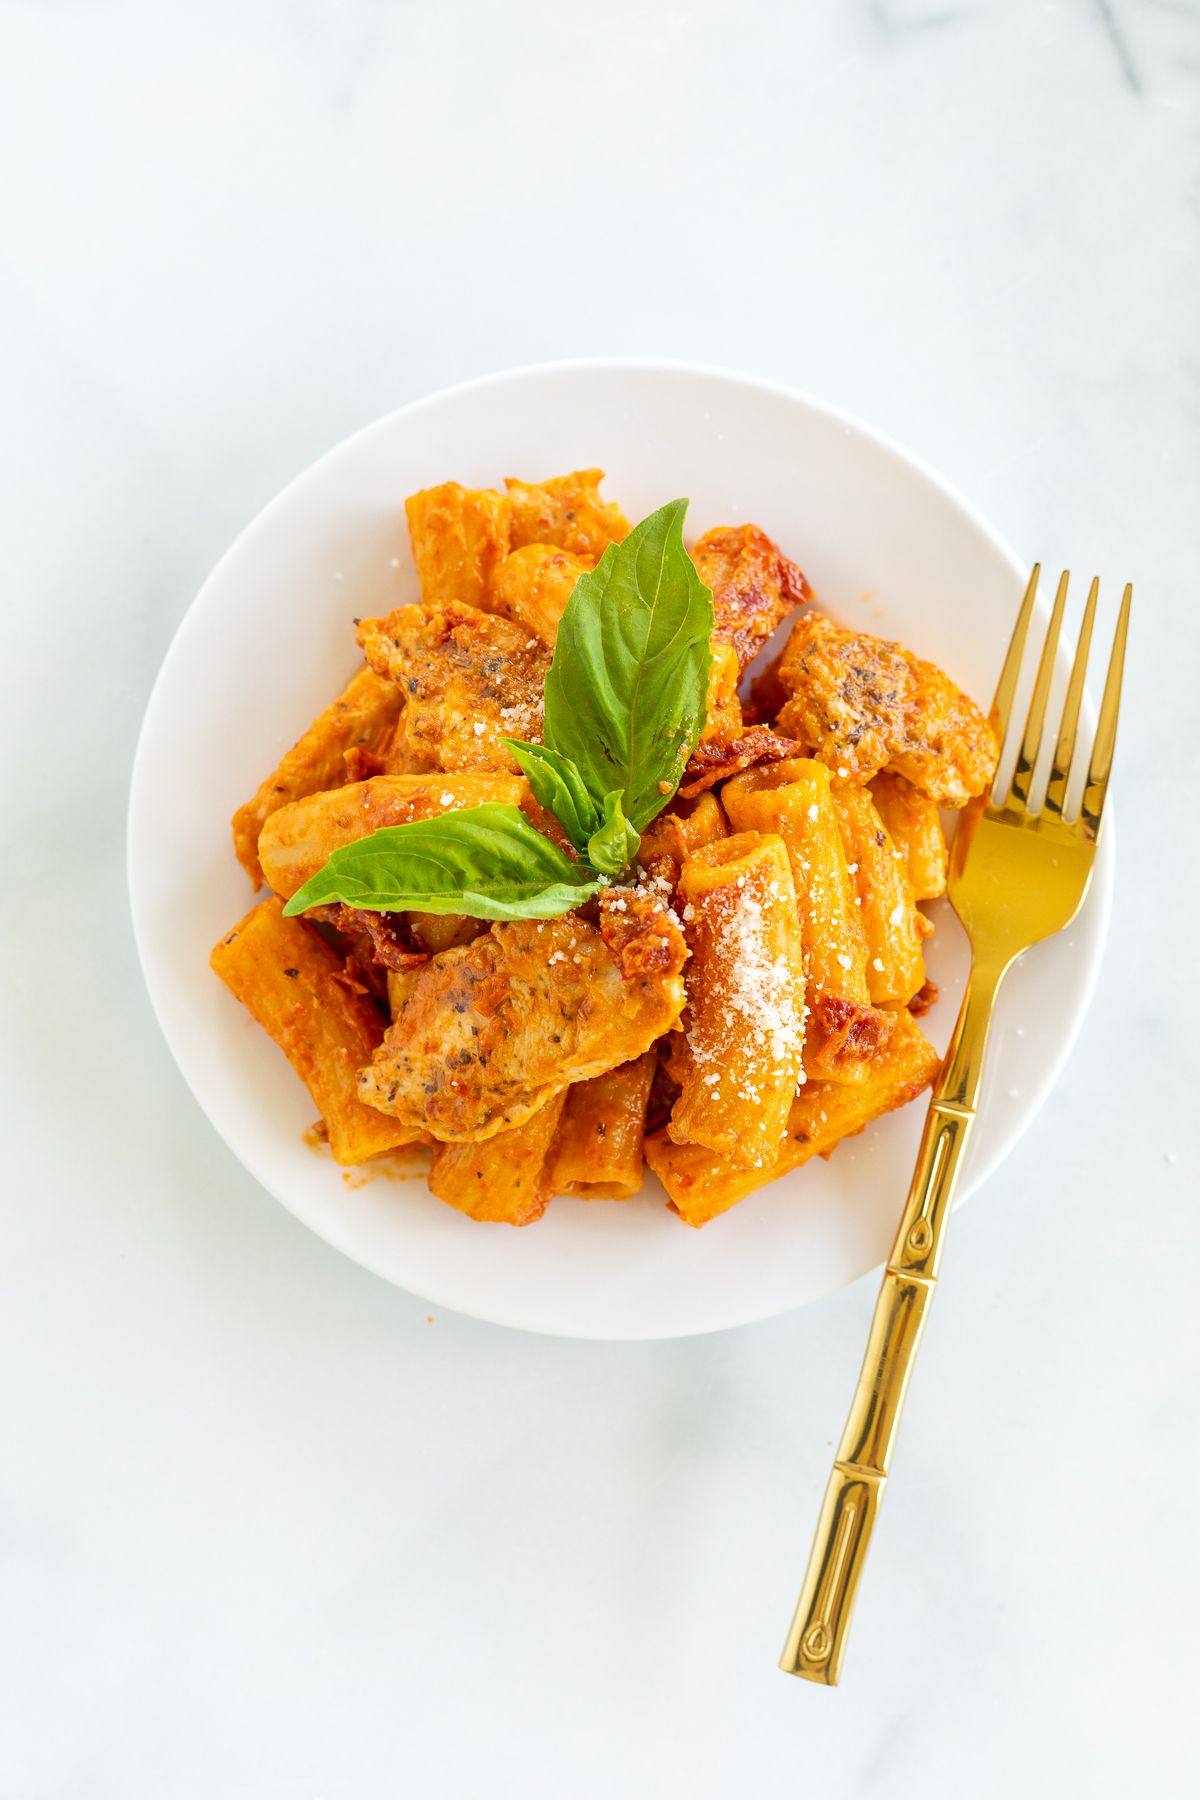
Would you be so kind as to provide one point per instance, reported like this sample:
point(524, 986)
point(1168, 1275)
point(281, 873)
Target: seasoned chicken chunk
point(470, 680)
point(754, 585)
point(459, 537)
point(567, 511)
point(493, 1030)
point(533, 585)
point(861, 704)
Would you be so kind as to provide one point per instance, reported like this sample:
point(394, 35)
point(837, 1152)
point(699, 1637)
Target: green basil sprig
point(614, 843)
point(626, 692)
point(559, 787)
point(625, 705)
point(487, 861)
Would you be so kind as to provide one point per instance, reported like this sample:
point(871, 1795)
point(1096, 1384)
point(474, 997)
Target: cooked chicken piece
point(359, 721)
point(299, 839)
point(459, 537)
point(491, 1031)
point(861, 704)
point(470, 680)
point(567, 511)
point(754, 585)
point(533, 585)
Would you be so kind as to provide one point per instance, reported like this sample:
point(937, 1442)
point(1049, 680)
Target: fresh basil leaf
point(558, 785)
point(486, 861)
point(614, 844)
point(626, 691)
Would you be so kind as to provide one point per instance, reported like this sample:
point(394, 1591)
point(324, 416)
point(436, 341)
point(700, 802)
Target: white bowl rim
point(1100, 895)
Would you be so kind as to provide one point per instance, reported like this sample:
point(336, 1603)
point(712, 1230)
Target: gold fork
point(1017, 875)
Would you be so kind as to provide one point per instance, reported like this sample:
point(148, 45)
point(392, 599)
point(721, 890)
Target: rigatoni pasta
point(459, 537)
point(533, 585)
point(887, 907)
point(566, 511)
point(793, 799)
point(597, 1148)
point(294, 984)
point(845, 1031)
point(702, 1184)
point(915, 825)
point(362, 717)
point(649, 911)
point(744, 1023)
point(676, 835)
point(505, 1179)
point(298, 839)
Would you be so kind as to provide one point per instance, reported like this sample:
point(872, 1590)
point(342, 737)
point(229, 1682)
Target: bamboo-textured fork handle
point(817, 1639)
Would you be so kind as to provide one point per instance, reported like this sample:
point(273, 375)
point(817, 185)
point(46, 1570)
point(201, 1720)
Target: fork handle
point(817, 1640)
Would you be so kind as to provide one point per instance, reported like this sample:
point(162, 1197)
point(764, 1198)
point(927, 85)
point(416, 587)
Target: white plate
point(269, 639)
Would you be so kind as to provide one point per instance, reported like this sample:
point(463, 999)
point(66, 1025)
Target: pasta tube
point(459, 538)
point(669, 840)
point(505, 1179)
point(893, 927)
point(362, 717)
point(292, 982)
point(701, 1184)
point(566, 510)
point(916, 828)
point(793, 799)
point(299, 839)
point(533, 585)
point(745, 1006)
point(597, 1150)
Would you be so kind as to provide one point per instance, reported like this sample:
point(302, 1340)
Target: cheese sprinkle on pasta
point(758, 994)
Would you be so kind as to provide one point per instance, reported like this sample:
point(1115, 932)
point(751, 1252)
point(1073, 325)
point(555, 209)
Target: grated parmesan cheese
point(756, 988)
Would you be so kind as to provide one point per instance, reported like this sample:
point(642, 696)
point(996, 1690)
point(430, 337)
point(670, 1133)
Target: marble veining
point(271, 1529)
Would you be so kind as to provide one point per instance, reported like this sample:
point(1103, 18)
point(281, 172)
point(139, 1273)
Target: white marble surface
point(265, 1529)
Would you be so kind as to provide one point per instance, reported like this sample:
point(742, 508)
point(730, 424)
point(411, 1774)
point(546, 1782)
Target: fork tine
point(1064, 750)
point(1031, 743)
point(1106, 730)
point(1010, 674)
